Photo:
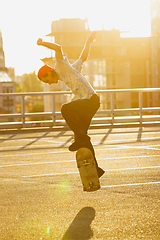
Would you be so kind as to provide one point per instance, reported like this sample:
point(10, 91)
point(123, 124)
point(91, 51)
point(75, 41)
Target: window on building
point(109, 66)
point(99, 66)
point(85, 67)
point(100, 80)
point(7, 102)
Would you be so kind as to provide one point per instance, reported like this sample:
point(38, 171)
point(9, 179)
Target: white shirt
point(71, 76)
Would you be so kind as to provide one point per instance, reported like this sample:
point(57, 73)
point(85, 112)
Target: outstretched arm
point(53, 46)
point(85, 52)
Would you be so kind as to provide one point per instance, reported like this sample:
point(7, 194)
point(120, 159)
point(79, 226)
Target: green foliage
point(38, 107)
point(30, 83)
point(18, 88)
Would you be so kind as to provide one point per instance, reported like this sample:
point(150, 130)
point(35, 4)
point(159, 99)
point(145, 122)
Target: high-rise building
point(155, 47)
point(2, 58)
point(7, 85)
point(114, 62)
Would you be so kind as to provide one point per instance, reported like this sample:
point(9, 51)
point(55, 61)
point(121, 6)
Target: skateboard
point(87, 169)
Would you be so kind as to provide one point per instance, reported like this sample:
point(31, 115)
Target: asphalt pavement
point(41, 195)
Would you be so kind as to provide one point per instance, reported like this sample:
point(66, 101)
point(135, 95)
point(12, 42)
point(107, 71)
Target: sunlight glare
point(125, 15)
point(32, 19)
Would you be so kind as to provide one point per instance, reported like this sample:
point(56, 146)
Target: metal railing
point(110, 116)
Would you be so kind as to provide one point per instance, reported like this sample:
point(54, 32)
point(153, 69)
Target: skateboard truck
point(91, 184)
point(85, 163)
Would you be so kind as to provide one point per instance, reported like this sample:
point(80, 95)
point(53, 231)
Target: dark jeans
point(78, 115)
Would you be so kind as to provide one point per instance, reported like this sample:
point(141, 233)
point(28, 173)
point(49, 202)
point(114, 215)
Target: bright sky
point(22, 22)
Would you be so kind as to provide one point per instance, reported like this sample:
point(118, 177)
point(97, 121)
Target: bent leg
point(70, 114)
point(78, 115)
point(78, 125)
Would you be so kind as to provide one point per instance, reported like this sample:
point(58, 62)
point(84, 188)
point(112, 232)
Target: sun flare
point(127, 16)
point(20, 33)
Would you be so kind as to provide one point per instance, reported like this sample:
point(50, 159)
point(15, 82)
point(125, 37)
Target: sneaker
point(79, 144)
point(75, 146)
point(100, 172)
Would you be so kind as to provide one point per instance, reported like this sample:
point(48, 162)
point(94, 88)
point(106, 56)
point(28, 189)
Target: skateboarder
point(79, 112)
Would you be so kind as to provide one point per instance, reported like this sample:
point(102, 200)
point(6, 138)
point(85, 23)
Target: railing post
point(112, 106)
point(140, 106)
point(23, 110)
point(53, 110)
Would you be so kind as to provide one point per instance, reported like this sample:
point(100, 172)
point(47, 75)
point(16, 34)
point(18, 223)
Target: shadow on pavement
point(31, 143)
point(139, 136)
point(80, 227)
point(105, 137)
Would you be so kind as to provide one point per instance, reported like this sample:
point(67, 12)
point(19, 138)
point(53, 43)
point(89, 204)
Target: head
point(47, 74)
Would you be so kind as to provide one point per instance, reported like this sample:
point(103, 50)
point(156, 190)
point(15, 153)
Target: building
point(155, 47)
point(138, 55)
point(7, 85)
point(114, 62)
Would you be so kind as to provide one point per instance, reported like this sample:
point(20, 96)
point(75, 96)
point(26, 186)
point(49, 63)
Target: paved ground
point(41, 194)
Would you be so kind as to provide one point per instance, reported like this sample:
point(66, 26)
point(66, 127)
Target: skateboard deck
point(87, 169)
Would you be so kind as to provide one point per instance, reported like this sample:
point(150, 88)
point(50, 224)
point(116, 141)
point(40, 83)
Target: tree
point(30, 83)
point(38, 107)
point(18, 88)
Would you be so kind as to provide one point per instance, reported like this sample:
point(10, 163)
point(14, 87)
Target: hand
point(92, 36)
point(39, 41)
